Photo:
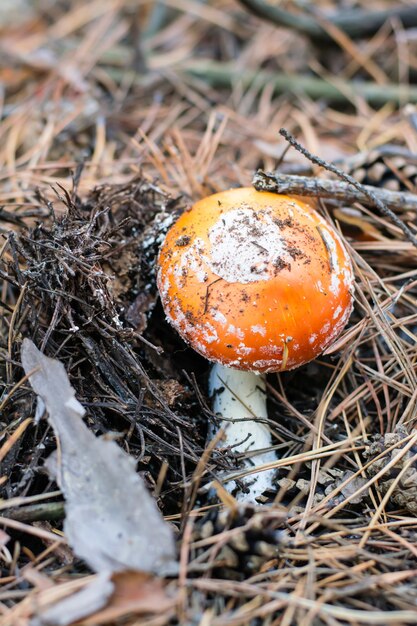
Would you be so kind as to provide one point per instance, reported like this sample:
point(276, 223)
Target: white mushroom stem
point(240, 398)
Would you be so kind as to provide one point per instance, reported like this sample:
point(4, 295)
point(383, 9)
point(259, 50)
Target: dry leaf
point(134, 593)
point(112, 522)
point(125, 593)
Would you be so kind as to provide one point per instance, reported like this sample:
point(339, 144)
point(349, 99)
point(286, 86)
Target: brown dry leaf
point(134, 593)
point(62, 604)
point(111, 520)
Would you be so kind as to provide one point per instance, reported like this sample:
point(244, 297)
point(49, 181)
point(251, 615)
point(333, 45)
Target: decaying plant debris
point(111, 522)
point(114, 120)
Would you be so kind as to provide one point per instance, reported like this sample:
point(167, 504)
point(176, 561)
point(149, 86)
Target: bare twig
point(35, 512)
point(356, 24)
point(335, 189)
point(337, 91)
point(375, 200)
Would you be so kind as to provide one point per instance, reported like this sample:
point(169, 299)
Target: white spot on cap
point(218, 316)
point(243, 349)
point(209, 333)
point(233, 330)
point(191, 260)
point(337, 312)
point(245, 245)
point(325, 329)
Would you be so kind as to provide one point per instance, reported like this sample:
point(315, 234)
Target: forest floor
point(115, 113)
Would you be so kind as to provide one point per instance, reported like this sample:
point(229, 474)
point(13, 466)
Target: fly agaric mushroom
point(256, 282)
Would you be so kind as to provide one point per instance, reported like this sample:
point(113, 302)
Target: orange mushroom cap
point(255, 280)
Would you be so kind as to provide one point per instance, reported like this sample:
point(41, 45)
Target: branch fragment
point(356, 24)
point(334, 189)
point(374, 200)
point(225, 75)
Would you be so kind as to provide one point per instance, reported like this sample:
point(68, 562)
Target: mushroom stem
point(240, 398)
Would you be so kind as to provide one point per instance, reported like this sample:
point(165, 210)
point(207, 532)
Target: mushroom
point(256, 282)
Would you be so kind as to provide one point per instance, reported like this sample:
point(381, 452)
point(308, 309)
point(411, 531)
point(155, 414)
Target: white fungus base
point(240, 398)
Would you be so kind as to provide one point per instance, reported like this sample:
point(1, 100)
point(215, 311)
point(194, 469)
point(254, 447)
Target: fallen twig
point(36, 512)
point(374, 200)
point(337, 91)
point(356, 24)
point(335, 189)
